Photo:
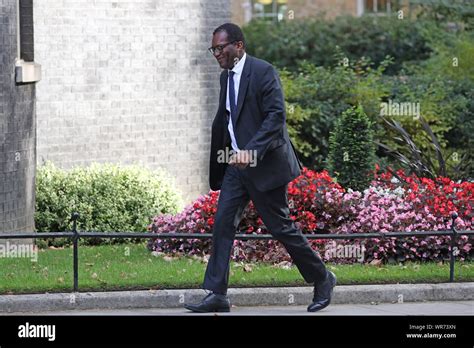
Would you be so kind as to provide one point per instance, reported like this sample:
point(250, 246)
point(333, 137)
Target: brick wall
point(17, 128)
point(128, 82)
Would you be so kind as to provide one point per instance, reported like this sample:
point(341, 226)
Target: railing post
point(75, 239)
point(454, 216)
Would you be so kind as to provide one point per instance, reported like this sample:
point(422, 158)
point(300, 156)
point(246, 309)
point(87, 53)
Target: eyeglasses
point(219, 48)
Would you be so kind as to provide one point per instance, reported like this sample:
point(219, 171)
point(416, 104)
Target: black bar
point(36, 235)
point(74, 218)
point(237, 236)
point(258, 330)
point(451, 252)
point(264, 236)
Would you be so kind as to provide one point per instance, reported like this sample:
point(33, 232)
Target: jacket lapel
point(222, 99)
point(222, 113)
point(244, 82)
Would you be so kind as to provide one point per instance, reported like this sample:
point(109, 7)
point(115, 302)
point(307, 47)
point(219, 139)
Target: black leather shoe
point(323, 293)
point(211, 303)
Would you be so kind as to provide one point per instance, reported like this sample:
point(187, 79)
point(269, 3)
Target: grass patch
point(133, 267)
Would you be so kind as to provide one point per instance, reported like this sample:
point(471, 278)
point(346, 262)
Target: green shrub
point(459, 11)
point(318, 88)
point(352, 153)
point(107, 196)
point(288, 43)
point(444, 86)
point(318, 95)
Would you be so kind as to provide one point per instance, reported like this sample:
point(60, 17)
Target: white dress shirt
point(237, 69)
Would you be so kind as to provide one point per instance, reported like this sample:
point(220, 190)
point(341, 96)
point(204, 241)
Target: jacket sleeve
point(274, 113)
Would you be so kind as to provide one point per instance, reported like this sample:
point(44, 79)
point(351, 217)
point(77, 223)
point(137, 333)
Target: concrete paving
point(457, 308)
point(285, 297)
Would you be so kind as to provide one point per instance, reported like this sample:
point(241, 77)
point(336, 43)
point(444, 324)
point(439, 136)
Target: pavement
point(452, 308)
point(391, 299)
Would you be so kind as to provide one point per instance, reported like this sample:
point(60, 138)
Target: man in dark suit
point(251, 121)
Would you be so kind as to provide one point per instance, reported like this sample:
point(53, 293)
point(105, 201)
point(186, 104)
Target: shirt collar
point(237, 69)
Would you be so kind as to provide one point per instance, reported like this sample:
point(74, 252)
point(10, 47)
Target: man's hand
point(241, 159)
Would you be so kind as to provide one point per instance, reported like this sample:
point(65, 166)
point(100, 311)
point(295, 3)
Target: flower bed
point(319, 205)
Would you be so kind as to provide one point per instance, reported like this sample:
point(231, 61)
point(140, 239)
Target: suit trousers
point(272, 206)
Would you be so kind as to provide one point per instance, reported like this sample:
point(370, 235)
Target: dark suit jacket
point(260, 125)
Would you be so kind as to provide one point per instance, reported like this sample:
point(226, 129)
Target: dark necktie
point(233, 106)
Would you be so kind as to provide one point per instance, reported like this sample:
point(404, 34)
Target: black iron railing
point(75, 235)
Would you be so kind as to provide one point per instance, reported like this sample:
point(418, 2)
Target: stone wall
point(17, 123)
point(128, 82)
